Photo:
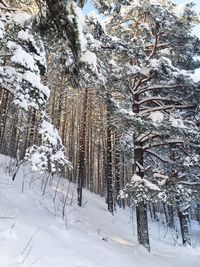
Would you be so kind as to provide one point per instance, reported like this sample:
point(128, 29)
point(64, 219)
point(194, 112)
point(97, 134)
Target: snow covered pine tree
point(23, 63)
point(148, 55)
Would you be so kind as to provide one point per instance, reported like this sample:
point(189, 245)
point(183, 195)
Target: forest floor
point(33, 234)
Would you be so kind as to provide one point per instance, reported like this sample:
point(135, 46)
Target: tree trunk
point(81, 171)
point(169, 215)
point(197, 213)
point(142, 225)
point(109, 168)
point(141, 208)
point(183, 218)
point(117, 172)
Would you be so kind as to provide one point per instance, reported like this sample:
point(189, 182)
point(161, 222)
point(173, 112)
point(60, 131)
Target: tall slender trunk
point(81, 170)
point(183, 218)
point(182, 211)
point(109, 168)
point(141, 208)
point(117, 172)
point(169, 215)
point(4, 106)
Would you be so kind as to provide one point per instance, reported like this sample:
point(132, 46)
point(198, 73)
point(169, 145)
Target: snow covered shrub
point(51, 154)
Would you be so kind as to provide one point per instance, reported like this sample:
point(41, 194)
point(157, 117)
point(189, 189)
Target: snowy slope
point(32, 233)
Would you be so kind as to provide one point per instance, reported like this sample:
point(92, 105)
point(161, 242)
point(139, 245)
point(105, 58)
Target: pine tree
point(149, 56)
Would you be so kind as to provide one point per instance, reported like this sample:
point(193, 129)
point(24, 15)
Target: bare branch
point(166, 107)
point(154, 47)
point(167, 142)
point(4, 3)
point(189, 183)
point(157, 98)
point(159, 87)
point(160, 157)
point(149, 47)
point(149, 136)
point(8, 8)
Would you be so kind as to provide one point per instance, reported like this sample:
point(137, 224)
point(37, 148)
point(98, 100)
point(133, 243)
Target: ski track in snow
point(31, 236)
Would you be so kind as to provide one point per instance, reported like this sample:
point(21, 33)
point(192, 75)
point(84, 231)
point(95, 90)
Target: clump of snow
point(20, 17)
point(151, 186)
point(90, 58)
point(25, 35)
point(81, 22)
point(35, 81)
point(161, 178)
point(19, 85)
point(79, 19)
point(177, 122)
point(154, 63)
point(124, 10)
point(133, 69)
point(122, 194)
point(96, 18)
point(40, 56)
point(23, 58)
point(165, 52)
point(39, 161)
point(156, 117)
point(196, 76)
point(136, 180)
point(51, 154)
point(49, 133)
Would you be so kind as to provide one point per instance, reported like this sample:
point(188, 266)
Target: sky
point(89, 7)
point(196, 8)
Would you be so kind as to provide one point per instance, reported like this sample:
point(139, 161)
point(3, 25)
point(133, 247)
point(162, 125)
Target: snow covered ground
point(32, 232)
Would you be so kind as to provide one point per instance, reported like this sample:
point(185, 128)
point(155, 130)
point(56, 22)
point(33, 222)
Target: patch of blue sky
point(88, 7)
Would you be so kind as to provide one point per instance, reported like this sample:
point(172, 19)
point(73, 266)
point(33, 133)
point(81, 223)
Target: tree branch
point(159, 87)
point(4, 3)
point(165, 108)
point(154, 47)
point(157, 98)
point(160, 157)
point(8, 8)
point(167, 142)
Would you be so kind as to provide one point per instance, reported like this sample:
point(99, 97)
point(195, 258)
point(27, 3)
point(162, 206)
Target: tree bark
point(142, 225)
point(141, 208)
point(183, 218)
point(109, 168)
point(81, 171)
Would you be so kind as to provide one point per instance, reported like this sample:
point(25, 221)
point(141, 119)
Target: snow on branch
point(166, 142)
point(136, 179)
point(139, 124)
point(140, 189)
point(23, 61)
point(166, 107)
point(69, 20)
point(51, 154)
